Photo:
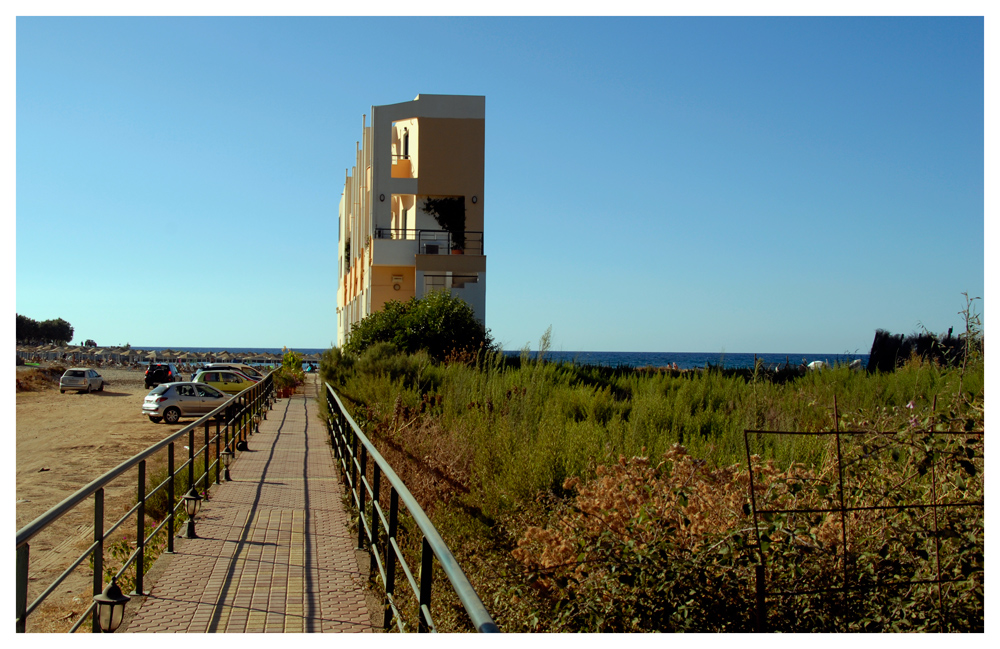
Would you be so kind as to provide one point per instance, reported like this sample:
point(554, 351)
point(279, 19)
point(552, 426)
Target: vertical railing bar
point(390, 556)
point(140, 530)
point(426, 569)
point(21, 594)
point(171, 496)
point(218, 448)
point(207, 475)
point(361, 496)
point(98, 551)
point(376, 520)
point(191, 482)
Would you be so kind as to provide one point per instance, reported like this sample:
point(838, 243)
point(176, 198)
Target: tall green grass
point(530, 425)
point(507, 433)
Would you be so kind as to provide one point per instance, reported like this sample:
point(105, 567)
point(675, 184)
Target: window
point(434, 283)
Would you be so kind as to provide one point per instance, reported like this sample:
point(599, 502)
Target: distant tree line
point(56, 331)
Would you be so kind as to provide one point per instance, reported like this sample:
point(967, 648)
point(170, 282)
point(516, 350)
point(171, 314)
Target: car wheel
point(155, 420)
point(100, 388)
point(89, 389)
point(62, 391)
point(147, 386)
point(171, 415)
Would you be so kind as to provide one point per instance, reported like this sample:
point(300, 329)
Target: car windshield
point(76, 373)
point(160, 389)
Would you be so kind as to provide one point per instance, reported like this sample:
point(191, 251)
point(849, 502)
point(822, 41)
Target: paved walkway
point(275, 553)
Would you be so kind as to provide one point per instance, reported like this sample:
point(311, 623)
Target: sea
point(684, 360)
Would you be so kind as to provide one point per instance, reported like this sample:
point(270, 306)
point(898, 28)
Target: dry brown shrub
point(38, 379)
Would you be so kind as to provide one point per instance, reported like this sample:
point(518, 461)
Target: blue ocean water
point(690, 360)
point(684, 360)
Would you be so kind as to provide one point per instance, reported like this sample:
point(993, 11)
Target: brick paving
point(275, 553)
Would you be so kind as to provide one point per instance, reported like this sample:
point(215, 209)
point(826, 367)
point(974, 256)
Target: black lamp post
point(111, 607)
point(227, 458)
point(192, 503)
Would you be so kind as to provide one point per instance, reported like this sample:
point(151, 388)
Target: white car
point(82, 379)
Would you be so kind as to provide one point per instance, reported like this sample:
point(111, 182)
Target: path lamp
point(192, 503)
point(111, 607)
point(227, 459)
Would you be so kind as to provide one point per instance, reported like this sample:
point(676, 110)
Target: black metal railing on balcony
point(233, 422)
point(436, 242)
point(379, 529)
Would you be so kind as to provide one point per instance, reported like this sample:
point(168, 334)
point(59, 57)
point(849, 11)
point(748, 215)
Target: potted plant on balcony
point(449, 212)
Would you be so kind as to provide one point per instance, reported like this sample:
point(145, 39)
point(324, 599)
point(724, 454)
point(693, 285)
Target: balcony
point(436, 242)
point(401, 166)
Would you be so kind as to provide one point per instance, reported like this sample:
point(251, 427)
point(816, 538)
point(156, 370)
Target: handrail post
point(218, 456)
point(140, 532)
point(191, 482)
point(426, 568)
point(207, 474)
point(360, 490)
point(171, 495)
point(390, 557)
point(376, 522)
point(98, 553)
point(21, 595)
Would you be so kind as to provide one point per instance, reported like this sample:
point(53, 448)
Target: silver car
point(170, 401)
point(82, 379)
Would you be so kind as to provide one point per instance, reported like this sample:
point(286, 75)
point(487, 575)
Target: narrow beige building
point(411, 215)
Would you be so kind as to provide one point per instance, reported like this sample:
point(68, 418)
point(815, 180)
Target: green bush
point(438, 323)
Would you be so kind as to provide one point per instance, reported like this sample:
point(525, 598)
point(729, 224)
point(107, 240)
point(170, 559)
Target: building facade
point(411, 215)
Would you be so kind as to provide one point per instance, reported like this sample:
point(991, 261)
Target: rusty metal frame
point(756, 512)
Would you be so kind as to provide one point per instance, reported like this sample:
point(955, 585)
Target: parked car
point(229, 381)
point(253, 373)
point(82, 379)
point(240, 373)
point(171, 401)
point(158, 373)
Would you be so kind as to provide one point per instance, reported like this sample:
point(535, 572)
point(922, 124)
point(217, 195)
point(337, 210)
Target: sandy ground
point(64, 441)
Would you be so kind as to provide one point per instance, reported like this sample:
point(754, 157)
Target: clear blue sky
point(652, 184)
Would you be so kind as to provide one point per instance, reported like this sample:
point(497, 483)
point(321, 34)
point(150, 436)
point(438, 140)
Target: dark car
point(158, 373)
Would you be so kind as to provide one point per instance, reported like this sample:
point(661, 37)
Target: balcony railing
point(435, 242)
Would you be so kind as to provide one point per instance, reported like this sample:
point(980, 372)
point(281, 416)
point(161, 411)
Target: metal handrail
point(239, 412)
point(354, 467)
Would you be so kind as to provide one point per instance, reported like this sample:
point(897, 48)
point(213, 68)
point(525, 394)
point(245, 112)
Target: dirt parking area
point(65, 441)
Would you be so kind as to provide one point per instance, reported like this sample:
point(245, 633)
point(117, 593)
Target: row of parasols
point(123, 355)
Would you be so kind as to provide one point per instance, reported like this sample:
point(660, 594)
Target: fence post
point(98, 553)
point(376, 522)
point(171, 495)
point(140, 532)
point(360, 490)
point(761, 599)
point(207, 472)
point(21, 596)
point(218, 461)
point(390, 557)
point(426, 568)
point(191, 482)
